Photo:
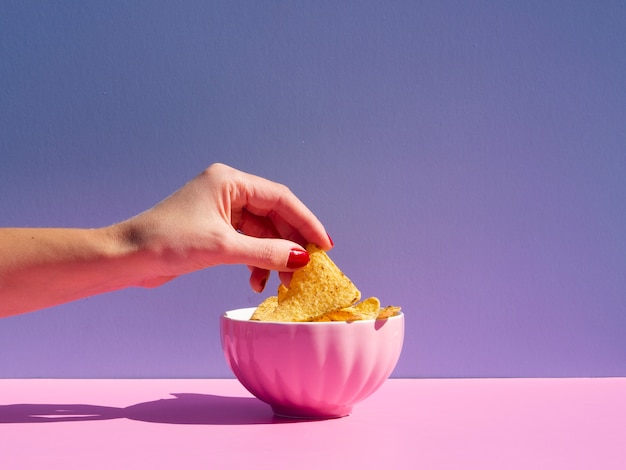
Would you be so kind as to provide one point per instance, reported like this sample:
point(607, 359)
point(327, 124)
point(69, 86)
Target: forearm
point(44, 267)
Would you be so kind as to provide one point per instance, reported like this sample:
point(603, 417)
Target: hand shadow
point(184, 408)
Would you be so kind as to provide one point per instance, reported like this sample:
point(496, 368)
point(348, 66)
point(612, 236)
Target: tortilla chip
point(315, 289)
point(388, 311)
point(320, 292)
point(265, 309)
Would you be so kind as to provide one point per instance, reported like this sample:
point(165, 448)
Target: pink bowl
point(311, 370)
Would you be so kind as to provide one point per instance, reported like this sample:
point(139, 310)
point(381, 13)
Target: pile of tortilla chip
point(320, 292)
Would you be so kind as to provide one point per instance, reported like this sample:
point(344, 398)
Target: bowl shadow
point(183, 408)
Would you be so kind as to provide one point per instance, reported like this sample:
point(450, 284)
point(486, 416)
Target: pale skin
point(222, 216)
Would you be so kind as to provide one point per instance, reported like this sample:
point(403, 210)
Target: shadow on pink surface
point(184, 408)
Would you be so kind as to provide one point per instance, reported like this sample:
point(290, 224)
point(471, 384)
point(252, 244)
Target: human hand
point(223, 216)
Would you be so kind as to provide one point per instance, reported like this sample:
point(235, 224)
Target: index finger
point(276, 201)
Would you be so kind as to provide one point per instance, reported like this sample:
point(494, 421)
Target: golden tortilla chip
point(388, 311)
point(365, 310)
point(265, 308)
point(282, 292)
point(344, 314)
point(320, 292)
point(315, 289)
point(323, 318)
point(368, 309)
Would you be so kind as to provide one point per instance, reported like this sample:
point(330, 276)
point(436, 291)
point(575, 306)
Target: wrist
point(134, 255)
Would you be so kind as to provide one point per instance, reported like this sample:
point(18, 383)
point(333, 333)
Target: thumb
point(274, 254)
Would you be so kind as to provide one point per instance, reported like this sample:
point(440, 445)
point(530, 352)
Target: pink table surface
point(408, 423)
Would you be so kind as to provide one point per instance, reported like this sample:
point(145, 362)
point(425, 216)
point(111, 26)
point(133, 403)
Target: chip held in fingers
point(320, 291)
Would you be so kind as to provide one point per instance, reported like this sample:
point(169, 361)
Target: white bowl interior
point(241, 313)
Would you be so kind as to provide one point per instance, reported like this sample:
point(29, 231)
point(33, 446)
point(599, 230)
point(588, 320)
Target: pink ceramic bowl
point(311, 370)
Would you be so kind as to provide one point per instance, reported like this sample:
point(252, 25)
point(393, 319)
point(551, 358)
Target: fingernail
point(297, 259)
point(263, 282)
point(330, 240)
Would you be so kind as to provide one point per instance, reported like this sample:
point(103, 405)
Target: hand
point(224, 216)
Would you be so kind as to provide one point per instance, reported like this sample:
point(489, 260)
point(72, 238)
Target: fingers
point(260, 227)
point(285, 277)
point(290, 217)
point(156, 281)
point(269, 254)
point(271, 225)
point(258, 278)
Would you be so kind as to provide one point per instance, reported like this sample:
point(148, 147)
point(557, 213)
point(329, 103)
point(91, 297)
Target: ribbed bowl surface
point(311, 370)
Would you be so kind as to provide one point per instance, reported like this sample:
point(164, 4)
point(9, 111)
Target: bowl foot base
point(303, 413)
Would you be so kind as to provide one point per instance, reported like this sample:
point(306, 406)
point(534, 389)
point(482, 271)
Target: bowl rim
point(235, 314)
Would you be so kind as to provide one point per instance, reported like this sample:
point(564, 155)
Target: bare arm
point(42, 267)
point(223, 216)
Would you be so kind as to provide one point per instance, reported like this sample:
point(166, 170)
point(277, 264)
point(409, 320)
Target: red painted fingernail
point(263, 282)
point(297, 259)
point(330, 240)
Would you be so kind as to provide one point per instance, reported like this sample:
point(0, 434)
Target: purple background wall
point(468, 159)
